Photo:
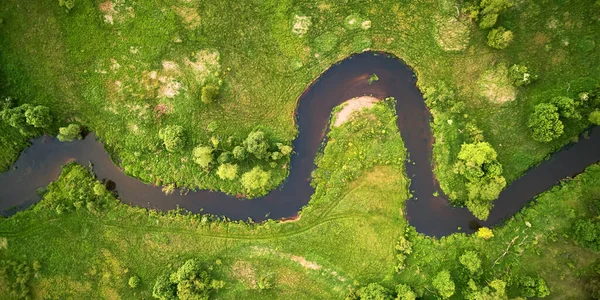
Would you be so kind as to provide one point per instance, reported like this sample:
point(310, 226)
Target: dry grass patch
point(244, 272)
point(353, 105)
point(452, 34)
point(189, 16)
point(496, 86)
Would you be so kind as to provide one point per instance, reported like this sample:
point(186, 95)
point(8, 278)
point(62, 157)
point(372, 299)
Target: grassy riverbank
point(126, 69)
point(83, 243)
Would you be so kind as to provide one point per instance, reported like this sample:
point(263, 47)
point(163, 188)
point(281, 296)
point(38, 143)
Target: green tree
point(404, 292)
point(227, 171)
point(257, 144)
point(594, 117)
point(225, 157)
point(255, 179)
point(16, 118)
point(485, 233)
point(490, 10)
point(38, 116)
point(239, 153)
point(532, 287)
point(373, 291)
point(69, 133)
point(545, 123)
point(173, 137)
point(203, 155)
point(209, 93)
point(567, 107)
point(587, 233)
point(164, 289)
point(443, 283)
point(519, 75)
point(470, 261)
point(284, 149)
point(499, 38)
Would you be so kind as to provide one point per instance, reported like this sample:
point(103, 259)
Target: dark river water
point(41, 163)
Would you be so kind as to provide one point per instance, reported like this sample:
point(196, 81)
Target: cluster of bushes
point(403, 249)
point(587, 230)
point(16, 275)
point(26, 118)
point(486, 13)
point(227, 155)
point(190, 281)
point(547, 119)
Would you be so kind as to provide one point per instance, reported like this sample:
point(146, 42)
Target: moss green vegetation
point(121, 67)
point(352, 239)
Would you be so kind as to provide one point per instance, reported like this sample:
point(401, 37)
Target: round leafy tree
point(443, 283)
point(239, 153)
point(404, 292)
point(545, 123)
point(203, 155)
point(255, 179)
point(257, 144)
point(595, 117)
point(499, 38)
point(209, 93)
point(567, 107)
point(69, 133)
point(373, 291)
point(227, 171)
point(173, 137)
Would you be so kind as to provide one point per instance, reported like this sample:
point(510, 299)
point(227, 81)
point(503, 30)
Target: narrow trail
point(431, 215)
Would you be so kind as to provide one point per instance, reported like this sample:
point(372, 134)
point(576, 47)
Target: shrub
point(488, 21)
point(16, 118)
point(239, 153)
point(68, 4)
point(587, 234)
point(134, 281)
point(545, 123)
point(38, 116)
point(443, 283)
point(69, 133)
point(567, 107)
point(227, 171)
point(173, 137)
point(499, 38)
point(373, 291)
point(284, 149)
point(532, 287)
point(255, 179)
point(519, 75)
point(203, 155)
point(225, 157)
point(164, 289)
point(594, 117)
point(489, 11)
point(209, 93)
point(190, 281)
point(256, 143)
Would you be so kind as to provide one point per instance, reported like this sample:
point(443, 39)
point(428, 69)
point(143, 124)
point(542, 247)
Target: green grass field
point(345, 238)
point(126, 69)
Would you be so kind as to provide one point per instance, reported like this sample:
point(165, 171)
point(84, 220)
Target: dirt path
point(352, 105)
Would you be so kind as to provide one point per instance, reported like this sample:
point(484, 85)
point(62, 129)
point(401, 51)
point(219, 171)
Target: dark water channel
point(41, 163)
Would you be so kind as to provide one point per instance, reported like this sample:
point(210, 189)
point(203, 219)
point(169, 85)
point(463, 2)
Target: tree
point(164, 289)
point(587, 234)
point(203, 155)
point(477, 162)
point(404, 292)
point(173, 137)
point(209, 93)
point(255, 179)
point(225, 157)
point(443, 283)
point(227, 171)
point(15, 117)
point(519, 75)
point(470, 261)
point(490, 10)
point(567, 107)
point(256, 143)
point(545, 123)
point(485, 233)
point(69, 133)
point(499, 38)
point(284, 149)
point(239, 153)
point(594, 117)
point(373, 291)
point(38, 116)
point(532, 287)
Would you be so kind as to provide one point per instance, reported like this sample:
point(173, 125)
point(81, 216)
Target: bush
point(519, 75)
point(499, 38)
point(239, 153)
point(203, 155)
point(227, 171)
point(594, 117)
point(567, 107)
point(173, 137)
point(256, 179)
point(545, 123)
point(587, 234)
point(209, 93)
point(190, 281)
point(68, 4)
point(485, 233)
point(470, 261)
point(134, 281)
point(443, 283)
point(256, 143)
point(490, 10)
point(488, 21)
point(38, 116)
point(532, 287)
point(69, 133)
point(16, 118)
point(373, 291)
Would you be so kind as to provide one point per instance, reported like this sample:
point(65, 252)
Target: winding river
point(41, 163)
